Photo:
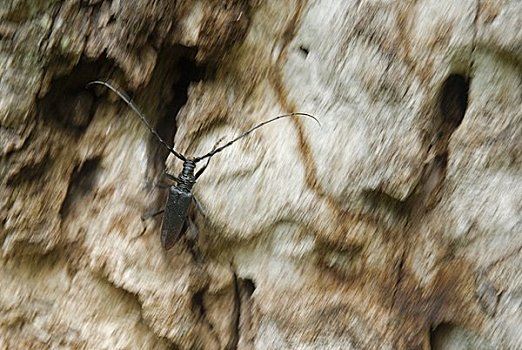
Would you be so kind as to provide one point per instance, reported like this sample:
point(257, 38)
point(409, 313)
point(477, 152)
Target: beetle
point(180, 197)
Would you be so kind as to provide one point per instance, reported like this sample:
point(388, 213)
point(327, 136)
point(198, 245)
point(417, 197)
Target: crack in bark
point(242, 326)
point(199, 308)
point(81, 183)
point(237, 314)
point(400, 274)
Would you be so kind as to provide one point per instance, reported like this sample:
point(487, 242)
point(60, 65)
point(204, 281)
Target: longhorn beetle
point(180, 196)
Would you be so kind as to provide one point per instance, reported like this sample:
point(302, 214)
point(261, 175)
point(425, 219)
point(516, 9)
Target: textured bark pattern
point(395, 225)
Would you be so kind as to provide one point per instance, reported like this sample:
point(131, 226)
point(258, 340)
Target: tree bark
point(395, 224)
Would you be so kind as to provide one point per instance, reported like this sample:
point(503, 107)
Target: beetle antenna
point(121, 94)
point(229, 143)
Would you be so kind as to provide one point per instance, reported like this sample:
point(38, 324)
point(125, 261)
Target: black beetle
point(180, 196)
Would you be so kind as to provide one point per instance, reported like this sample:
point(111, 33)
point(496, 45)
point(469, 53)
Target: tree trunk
point(395, 224)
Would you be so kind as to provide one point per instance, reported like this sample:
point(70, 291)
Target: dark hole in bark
point(453, 336)
point(304, 50)
point(452, 105)
point(30, 172)
point(380, 201)
point(439, 334)
point(90, 3)
point(112, 19)
point(187, 72)
point(82, 183)
point(181, 74)
point(198, 305)
point(247, 286)
point(68, 103)
point(454, 99)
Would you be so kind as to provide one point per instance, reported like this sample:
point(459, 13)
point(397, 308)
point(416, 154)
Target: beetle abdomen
point(176, 208)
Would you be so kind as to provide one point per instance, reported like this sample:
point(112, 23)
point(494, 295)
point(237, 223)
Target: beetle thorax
point(187, 178)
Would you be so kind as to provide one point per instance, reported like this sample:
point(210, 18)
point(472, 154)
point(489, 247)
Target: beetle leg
point(200, 171)
point(161, 185)
point(191, 230)
point(149, 215)
point(198, 205)
point(192, 234)
point(170, 177)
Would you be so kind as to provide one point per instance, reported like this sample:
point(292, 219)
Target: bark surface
point(396, 224)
